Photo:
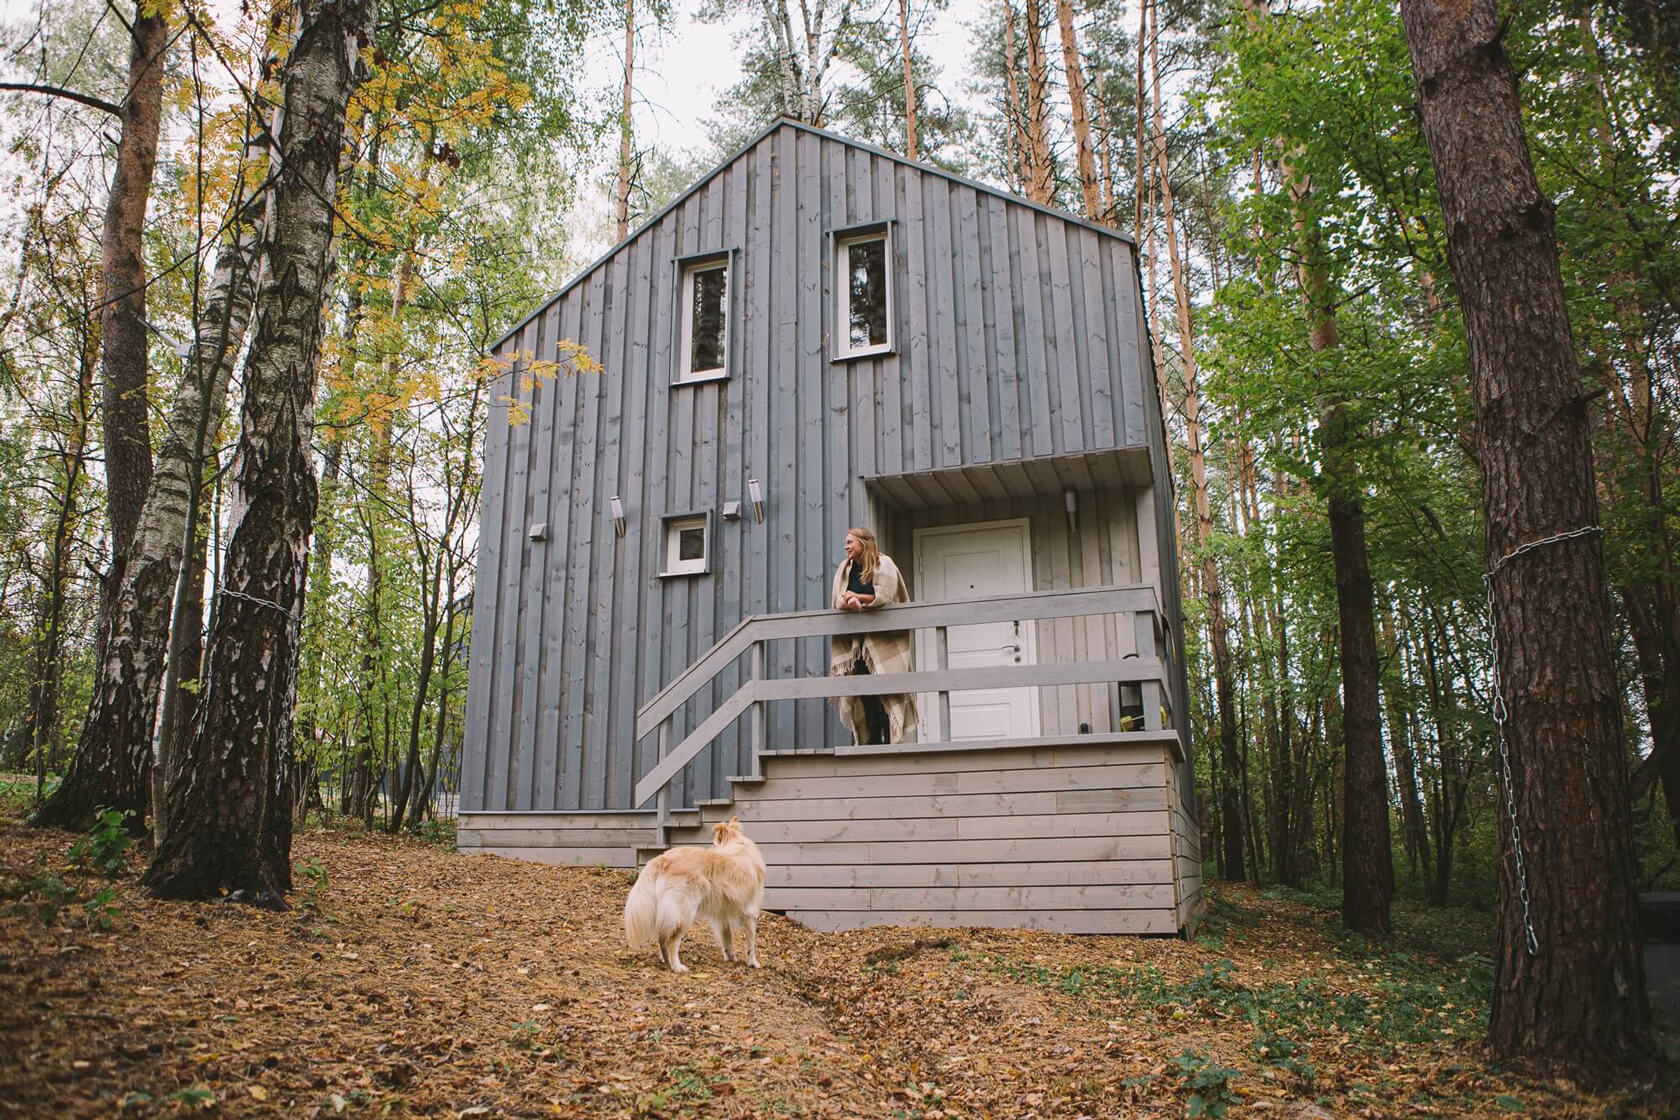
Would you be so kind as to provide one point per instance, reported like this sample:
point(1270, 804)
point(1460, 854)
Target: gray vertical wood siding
point(1018, 335)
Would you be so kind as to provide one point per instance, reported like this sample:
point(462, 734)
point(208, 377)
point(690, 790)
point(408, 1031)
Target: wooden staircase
point(1086, 835)
point(1080, 833)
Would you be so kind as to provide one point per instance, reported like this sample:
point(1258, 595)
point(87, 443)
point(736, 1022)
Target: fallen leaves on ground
point(411, 981)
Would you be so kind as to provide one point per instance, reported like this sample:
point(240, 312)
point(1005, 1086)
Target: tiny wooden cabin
point(820, 334)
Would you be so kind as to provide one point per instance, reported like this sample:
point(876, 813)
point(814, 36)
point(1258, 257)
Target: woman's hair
point(870, 555)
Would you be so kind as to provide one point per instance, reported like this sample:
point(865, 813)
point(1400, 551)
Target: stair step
point(746, 779)
point(796, 752)
point(712, 803)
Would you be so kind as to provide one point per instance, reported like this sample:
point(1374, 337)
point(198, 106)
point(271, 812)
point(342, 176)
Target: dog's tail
point(641, 909)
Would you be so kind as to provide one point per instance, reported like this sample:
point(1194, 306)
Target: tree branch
point(69, 94)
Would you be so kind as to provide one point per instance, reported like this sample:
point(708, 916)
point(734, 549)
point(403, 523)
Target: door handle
point(1012, 647)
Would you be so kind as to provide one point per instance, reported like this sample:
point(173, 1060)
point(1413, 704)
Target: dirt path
point(408, 980)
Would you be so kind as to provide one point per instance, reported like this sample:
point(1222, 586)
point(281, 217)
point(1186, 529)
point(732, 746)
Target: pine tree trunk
point(1416, 842)
point(1087, 158)
point(909, 78)
point(1015, 115)
point(1367, 855)
point(113, 760)
point(1579, 1002)
point(1041, 173)
point(1367, 852)
point(230, 809)
point(1235, 865)
point(128, 443)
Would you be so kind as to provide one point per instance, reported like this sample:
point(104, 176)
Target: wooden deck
point(1085, 835)
point(1076, 833)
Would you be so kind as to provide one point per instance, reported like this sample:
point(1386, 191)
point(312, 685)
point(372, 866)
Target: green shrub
point(102, 847)
point(1209, 1084)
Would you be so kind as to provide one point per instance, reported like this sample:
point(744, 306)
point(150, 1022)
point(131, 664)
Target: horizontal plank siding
point(970, 875)
point(965, 782)
point(1079, 837)
point(566, 857)
point(953, 828)
point(1075, 801)
point(553, 838)
point(1055, 921)
point(1107, 896)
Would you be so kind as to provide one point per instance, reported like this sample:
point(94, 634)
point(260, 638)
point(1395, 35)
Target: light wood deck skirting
point(1075, 837)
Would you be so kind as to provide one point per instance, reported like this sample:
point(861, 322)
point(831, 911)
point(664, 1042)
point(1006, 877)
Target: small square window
point(687, 546)
point(863, 315)
point(703, 350)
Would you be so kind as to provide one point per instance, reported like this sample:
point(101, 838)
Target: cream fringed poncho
point(891, 651)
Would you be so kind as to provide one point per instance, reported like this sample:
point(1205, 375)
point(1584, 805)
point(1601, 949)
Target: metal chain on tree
point(1502, 715)
point(232, 594)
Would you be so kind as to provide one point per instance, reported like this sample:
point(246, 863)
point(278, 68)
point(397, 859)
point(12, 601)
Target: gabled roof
point(789, 122)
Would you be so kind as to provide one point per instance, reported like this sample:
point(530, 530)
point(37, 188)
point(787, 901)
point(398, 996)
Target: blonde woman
point(866, 578)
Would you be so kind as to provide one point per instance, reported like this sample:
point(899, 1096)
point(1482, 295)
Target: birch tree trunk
point(621, 198)
point(230, 822)
point(128, 442)
point(112, 764)
point(1578, 1002)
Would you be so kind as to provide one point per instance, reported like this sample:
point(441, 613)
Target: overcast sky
point(682, 69)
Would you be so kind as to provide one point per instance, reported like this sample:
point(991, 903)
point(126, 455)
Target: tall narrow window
point(705, 321)
point(865, 295)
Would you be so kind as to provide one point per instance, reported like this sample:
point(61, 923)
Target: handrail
point(1033, 605)
point(1140, 600)
point(886, 684)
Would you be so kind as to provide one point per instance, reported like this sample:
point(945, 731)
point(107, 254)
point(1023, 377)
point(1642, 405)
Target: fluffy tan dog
point(722, 885)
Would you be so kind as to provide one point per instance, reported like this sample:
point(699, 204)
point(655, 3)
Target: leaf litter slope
point(408, 980)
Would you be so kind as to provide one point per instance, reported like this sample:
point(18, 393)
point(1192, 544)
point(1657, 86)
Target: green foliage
point(41, 894)
point(1282, 1053)
point(100, 911)
point(196, 1097)
point(1403, 999)
point(102, 849)
point(1209, 1084)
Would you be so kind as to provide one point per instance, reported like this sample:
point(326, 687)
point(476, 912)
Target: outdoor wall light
point(756, 493)
point(1071, 500)
point(617, 515)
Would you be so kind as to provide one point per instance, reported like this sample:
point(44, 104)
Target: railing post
point(942, 660)
point(755, 719)
point(662, 822)
point(1143, 627)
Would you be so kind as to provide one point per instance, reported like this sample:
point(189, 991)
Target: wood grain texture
point(968, 384)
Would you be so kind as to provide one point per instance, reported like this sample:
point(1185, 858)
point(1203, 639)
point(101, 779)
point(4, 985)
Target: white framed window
point(688, 545)
point(703, 348)
point(863, 294)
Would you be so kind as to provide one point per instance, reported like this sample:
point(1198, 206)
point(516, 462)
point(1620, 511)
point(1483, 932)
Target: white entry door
point(966, 562)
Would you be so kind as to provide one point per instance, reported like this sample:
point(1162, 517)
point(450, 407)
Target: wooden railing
point(1148, 668)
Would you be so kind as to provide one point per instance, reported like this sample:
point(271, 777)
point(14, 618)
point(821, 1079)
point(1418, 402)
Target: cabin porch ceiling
point(1015, 478)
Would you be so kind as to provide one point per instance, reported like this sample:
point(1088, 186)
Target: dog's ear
point(734, 822)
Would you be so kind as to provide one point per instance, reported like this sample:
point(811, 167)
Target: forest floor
point(410, 980)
